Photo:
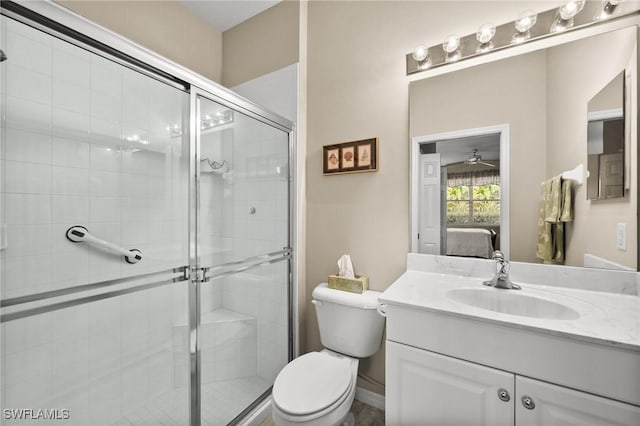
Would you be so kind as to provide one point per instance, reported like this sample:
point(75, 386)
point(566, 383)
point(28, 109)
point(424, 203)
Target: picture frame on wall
point(350, 157)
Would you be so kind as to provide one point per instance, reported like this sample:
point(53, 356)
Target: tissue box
point(359, 284)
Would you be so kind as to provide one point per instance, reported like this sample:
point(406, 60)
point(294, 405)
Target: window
point(473, 198)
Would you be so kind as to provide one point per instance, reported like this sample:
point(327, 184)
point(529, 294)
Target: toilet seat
point(312, 385)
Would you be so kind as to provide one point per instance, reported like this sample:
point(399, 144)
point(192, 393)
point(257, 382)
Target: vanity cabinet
point(426, 388)
point(539, 403)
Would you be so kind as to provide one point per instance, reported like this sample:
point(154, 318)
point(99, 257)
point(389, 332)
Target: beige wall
point(511, 91)
point(166, 27)
point(569, 90)
point(263, 44)
point(357, 89)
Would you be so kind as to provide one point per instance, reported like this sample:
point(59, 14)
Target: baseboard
point(370, 398)
point(259, 415)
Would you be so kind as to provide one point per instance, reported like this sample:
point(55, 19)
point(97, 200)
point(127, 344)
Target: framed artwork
point(350, 157)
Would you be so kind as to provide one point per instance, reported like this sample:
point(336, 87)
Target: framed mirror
point(535, 106)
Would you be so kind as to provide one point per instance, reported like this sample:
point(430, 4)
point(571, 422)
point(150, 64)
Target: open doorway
point(460, 193)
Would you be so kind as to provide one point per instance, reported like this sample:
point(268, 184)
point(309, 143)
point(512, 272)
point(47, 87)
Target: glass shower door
point(243, 234)
point(90, 151)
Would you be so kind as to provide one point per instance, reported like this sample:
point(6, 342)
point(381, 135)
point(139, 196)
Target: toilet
point(318, 388)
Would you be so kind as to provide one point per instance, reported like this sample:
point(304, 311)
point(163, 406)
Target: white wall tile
point(135, 385)
point(26, 84)
point(26, 275)
point(27, 146)
point(70, 208)
point(135, 210)
point(135, 186)
point(28, 240)
point(106, 209)
point(104, 131)
point(26, 333)
point(28, 364)
point(106, 106)
point(31, 52)
point(70, 153)
point(71, 64)
point(71, 96)
point(106, 76)
point(70, 268)
point(70, 181)
point(27, 209)
point(27, 115)
point(69, 124)
point(105, 184)
point(106, 158)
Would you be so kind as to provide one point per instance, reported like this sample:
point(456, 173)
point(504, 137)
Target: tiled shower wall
point(85, 142)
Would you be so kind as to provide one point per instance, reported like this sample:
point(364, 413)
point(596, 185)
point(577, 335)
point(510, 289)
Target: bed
point(470, 242)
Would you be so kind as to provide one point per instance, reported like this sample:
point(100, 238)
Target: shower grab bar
point(80, 234)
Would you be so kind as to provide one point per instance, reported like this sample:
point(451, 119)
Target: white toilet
point(318, 388)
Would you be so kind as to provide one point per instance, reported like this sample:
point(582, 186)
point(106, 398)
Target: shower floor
point(221, 402)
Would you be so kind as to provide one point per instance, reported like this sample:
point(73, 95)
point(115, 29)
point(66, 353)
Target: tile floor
point(221, 402)
point(365, 415)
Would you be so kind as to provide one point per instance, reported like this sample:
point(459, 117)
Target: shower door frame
point(58, 21)
point(199, 274)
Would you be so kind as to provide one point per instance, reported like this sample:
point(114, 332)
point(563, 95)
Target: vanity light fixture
point(529, 26)
point(451, 46)
point(484, 35)
point(570, 9)
point(526, 21)
point(421, 56)
point(608, 8)
point(523, 25)
point(420, 53)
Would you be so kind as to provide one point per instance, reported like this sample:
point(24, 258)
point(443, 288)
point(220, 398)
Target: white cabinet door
point(424, 388)
point(557, 406)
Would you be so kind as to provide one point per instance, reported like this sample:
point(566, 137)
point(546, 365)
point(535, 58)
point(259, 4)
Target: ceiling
point(226, 14)
point(460, 149)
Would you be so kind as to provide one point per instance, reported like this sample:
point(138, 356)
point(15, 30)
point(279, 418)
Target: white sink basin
point(512, 302)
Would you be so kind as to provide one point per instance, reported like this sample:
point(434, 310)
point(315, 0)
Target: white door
point(424, 388)
point(429, 207)
point(611, 175)
point(544, 404)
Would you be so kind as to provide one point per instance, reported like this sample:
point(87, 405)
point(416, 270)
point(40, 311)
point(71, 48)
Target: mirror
point(606, 142)
point(536, 105)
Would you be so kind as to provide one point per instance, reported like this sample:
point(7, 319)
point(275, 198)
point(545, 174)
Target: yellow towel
point(555, 209)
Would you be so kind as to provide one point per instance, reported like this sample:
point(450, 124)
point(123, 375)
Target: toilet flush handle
point(381, 309)
point(316, 302)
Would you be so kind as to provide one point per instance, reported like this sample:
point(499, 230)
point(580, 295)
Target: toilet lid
point(311, 383)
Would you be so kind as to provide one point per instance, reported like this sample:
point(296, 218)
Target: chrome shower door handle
point(80, 234)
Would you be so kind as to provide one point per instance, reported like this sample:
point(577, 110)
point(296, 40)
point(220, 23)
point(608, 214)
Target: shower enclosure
point(145, 241)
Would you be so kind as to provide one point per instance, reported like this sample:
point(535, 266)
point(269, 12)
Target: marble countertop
point(604, 318)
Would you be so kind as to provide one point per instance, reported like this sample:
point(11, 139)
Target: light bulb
point(451, 44)
point(420, 53)
point(571, 9)
point(485, 33)
point(525, 21)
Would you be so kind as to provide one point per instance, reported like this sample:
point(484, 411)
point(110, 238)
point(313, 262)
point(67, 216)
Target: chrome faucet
point(501, 279)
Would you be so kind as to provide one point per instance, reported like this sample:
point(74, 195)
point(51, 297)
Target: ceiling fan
point(476, 158)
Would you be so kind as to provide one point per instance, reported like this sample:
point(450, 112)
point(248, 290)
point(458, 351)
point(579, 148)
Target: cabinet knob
point(503, 394)
point(528, 403)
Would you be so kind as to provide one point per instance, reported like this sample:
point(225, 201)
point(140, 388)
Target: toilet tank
point(349, 323)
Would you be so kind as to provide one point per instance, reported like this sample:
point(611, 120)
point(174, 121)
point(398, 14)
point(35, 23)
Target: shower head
point(3, 57)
